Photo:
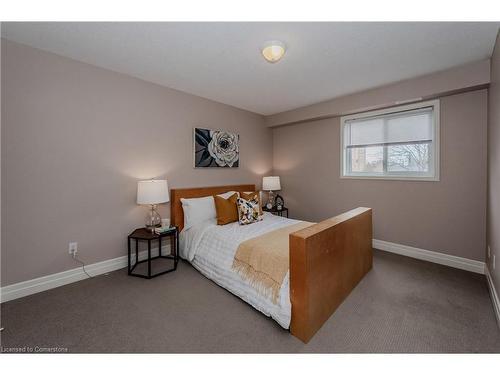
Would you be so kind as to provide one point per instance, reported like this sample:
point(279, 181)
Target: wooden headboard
point(176, 212)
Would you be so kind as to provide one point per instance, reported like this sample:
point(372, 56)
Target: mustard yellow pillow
point(253, 196)
point(227, 210)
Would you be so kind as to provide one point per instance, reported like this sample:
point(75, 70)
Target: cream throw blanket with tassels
point(264, 260)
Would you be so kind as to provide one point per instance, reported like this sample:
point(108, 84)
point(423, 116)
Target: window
point(396, 143)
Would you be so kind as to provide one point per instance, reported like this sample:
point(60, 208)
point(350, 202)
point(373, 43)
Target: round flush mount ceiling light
point(273, 50)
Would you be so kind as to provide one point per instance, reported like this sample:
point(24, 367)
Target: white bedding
point(211, 248)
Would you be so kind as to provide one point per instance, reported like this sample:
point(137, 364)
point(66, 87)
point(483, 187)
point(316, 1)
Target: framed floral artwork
point(216, 148)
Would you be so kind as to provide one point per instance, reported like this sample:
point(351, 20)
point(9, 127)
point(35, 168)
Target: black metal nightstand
point(142, 234)
point(275, 211)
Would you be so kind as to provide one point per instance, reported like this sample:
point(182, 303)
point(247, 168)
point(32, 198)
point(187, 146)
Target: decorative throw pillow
point(248, 211)
point(227, 211)
point(253, 196)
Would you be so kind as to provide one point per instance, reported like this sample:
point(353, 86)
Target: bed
point(327, 260)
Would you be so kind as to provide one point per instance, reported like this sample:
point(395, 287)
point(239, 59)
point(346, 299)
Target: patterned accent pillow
point(252, 196)
point(248, 211)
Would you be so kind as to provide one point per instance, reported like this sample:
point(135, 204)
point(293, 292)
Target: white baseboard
point(40, 284)
point(494, 295)
point(431, 256)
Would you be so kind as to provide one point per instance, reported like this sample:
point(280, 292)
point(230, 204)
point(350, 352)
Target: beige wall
point(494, 165)
point(76, 138)
point(474, 75)
point(448, 216)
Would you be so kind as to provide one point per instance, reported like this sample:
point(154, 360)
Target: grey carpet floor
point(402, 305)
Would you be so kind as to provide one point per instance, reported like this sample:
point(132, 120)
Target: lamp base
point(270, 200)
point(153, 219)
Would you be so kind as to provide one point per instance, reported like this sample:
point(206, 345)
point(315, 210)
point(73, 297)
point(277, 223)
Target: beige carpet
point(402, 305)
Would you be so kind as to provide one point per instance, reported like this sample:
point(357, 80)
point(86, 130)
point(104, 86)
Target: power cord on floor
point(83, 266)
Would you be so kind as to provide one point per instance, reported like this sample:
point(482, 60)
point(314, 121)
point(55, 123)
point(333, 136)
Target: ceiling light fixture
point(273, 50)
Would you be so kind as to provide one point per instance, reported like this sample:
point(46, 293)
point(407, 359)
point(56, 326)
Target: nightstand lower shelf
point(153, 273)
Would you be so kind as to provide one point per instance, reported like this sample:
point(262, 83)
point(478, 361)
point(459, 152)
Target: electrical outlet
point(73, 248)
point(489, 252)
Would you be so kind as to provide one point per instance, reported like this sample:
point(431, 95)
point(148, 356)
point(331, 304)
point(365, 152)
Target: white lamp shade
point(271, 183)
point(152, 192)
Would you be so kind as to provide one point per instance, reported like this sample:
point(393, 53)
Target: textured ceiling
point(222, 61)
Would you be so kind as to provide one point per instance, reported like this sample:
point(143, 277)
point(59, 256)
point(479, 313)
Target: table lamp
point(271, 183)
point(152, 192)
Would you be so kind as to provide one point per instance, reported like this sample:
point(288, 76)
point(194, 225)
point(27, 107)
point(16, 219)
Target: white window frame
point(412, 176)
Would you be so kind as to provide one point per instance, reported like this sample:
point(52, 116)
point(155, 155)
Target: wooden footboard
point(327, 260)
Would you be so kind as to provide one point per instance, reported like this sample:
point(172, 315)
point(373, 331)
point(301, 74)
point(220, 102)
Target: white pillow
point(228, 194)
point(197, 210)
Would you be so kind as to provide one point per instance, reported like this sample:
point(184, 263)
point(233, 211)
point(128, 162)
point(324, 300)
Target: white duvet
point(211, 248)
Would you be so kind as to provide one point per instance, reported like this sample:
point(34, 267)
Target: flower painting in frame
point(216, 148)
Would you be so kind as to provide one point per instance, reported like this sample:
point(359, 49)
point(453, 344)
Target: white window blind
point(404, 127)
point(399, 142)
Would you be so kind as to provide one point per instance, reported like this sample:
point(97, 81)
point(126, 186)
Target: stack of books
point(162, 230)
